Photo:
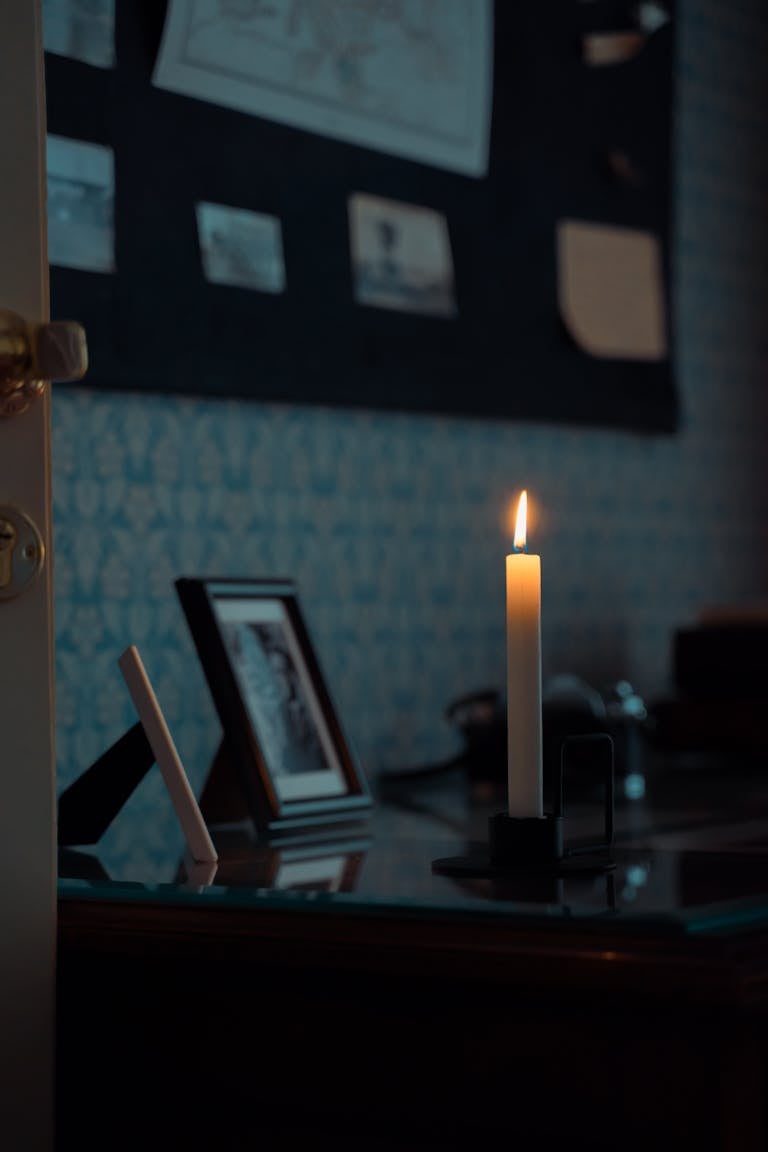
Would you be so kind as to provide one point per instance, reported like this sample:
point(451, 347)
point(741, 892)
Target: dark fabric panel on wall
point(157, 324)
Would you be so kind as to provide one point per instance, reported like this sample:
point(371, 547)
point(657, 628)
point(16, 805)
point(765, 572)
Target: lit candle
point(524, 742)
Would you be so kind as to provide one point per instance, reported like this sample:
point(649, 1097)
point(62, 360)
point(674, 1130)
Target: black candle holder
point(536, 844)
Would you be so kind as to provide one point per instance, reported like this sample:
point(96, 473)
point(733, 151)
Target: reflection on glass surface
point(634, 786)
point(679, 866)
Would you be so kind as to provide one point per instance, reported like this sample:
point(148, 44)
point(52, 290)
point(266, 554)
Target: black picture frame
point(281, 730)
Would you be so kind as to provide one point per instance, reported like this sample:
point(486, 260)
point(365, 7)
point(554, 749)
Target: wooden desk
point(343, 993)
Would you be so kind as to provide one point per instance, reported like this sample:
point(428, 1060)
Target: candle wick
point(523, 549)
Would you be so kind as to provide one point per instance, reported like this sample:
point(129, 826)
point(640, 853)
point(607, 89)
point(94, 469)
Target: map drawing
point(408, 77)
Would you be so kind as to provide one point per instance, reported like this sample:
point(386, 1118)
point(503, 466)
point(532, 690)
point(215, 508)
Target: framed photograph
point(280, 727)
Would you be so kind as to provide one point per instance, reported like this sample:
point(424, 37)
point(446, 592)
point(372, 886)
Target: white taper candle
point(524, 724)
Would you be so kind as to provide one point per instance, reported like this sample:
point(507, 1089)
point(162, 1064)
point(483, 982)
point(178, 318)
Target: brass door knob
point(31, 354)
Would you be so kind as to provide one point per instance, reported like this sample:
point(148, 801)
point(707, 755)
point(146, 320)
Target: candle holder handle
point(536, 844)
point(601, 744)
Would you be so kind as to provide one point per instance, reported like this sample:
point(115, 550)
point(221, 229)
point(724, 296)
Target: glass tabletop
point(684, 862)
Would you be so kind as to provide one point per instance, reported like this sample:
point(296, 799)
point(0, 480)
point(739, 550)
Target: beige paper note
point(611, 290)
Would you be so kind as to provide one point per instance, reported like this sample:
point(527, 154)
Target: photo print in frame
point(281, 731)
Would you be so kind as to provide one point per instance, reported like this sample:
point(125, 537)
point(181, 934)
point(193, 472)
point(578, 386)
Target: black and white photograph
point(81, 191)
point(81, 29)
point(401, 256)
point(275, 689)
point(271, 688)
point(241, 248)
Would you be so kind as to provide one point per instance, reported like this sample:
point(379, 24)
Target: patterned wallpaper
point(394, 526)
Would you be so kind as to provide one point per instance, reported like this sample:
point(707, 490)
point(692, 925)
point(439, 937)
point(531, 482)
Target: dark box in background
point(722, 661)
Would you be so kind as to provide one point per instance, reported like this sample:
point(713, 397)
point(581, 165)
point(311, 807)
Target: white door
point(27, 790)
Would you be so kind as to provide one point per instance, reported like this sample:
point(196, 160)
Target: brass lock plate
point(22, 551)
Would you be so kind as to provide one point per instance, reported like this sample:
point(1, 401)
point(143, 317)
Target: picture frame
point(282, 735)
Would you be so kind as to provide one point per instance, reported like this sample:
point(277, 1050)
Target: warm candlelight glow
point(521, 522)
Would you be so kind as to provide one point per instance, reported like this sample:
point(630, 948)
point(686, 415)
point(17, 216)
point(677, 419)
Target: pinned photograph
point(81, 29)
point(81, 193)
point(401, 256)
point(241, 248)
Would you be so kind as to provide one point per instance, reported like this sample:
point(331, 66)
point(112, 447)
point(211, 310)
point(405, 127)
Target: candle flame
point(521, 522)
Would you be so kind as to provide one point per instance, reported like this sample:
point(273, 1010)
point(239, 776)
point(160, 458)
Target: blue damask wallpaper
point(394, 527)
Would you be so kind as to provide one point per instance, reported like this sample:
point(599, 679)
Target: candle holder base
point(536, 844)
point(477, 864)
